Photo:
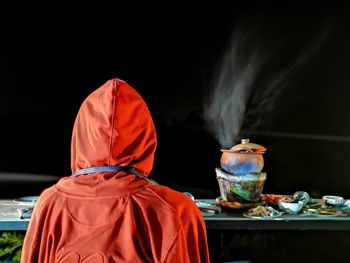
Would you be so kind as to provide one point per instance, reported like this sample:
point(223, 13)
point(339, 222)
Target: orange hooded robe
point(114, 216)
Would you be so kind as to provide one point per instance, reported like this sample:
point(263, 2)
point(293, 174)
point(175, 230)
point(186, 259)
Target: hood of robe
point(113, 127)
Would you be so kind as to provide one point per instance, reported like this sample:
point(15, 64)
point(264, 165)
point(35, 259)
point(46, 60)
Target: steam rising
point(245, 59)
point(228, 101)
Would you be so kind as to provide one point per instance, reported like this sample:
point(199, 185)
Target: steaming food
point(241, 177)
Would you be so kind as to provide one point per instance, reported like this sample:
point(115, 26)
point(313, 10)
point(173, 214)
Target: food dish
point(235, 205)
point(276, 214)
point(26, 200)
point(273, 199)
point(262, 212)
point(333, 199)
point(323, 212)
point(247, 187)
point(321, 215)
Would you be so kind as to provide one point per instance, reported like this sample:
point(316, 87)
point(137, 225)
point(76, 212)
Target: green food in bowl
point(247, 187)
point(250, 191)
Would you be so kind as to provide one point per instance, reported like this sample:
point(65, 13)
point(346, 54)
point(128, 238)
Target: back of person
point(108, 211)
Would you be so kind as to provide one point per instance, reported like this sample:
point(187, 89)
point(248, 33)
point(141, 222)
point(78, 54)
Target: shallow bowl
point(333, 199)
point(290, 207)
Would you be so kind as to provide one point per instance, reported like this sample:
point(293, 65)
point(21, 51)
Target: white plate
point(276, 214)
point(26, 200)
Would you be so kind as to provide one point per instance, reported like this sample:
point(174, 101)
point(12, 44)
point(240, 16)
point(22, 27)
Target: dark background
point(50, 61)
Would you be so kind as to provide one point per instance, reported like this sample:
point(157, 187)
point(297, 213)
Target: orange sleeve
point(30, 248)
point(31, 244)
point(190, 244)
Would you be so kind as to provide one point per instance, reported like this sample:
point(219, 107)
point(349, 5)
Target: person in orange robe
point(108, 210)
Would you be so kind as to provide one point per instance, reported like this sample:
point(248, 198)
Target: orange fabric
point(114, 217)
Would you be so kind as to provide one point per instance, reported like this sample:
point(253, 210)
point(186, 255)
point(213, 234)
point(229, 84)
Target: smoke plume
point(231, 101)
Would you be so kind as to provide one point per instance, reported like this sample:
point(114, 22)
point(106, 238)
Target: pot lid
point(246, 147)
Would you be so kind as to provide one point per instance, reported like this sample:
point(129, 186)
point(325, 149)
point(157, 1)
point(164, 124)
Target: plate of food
point(262, 212)
point(323, 212)
point(235, 205)
point(26, 200)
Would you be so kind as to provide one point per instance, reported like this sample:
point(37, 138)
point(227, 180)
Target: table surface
point(10, 220)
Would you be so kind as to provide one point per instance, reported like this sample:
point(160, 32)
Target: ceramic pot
point(243, 158)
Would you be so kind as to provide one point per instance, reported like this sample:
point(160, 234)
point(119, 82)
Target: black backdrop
point(50, 61)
